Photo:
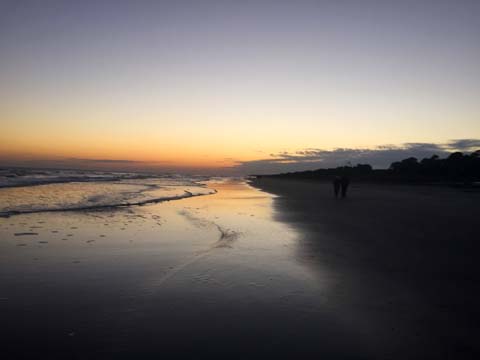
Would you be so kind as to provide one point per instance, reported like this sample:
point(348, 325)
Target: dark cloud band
point(378, 157)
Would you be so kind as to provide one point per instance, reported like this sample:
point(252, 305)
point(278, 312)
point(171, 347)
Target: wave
point(27, 191)
point(187, 194)
point(15, 177)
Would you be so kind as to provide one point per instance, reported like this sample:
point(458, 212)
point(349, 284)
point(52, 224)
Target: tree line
point(457, 167)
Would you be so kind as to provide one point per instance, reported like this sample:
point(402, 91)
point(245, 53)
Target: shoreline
point(187, 195)
point(403, 258)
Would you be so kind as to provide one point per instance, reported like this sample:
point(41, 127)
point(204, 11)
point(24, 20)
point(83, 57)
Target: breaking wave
point(37, 191)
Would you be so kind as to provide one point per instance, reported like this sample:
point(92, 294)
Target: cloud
point(379, 157)
point(464, 144)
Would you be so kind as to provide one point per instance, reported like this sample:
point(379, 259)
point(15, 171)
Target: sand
point(243, 274)
point(210, 276)
point(405, 259)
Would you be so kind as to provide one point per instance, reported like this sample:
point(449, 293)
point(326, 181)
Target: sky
point(211, 85)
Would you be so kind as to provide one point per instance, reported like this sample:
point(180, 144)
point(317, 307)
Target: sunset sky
point(212, 84)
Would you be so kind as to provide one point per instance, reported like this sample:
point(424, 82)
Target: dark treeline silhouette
point(456, 168)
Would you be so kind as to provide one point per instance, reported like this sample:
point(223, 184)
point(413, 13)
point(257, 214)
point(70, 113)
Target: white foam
point(53, 190)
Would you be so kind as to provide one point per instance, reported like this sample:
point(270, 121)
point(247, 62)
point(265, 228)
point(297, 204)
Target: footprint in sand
point(21, 244)
point(25, 233)
point(43, 242)
point(90, 241)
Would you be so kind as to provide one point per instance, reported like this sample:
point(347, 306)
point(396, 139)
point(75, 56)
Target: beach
point(202, 276)
point(282, 272)
point(404, 258)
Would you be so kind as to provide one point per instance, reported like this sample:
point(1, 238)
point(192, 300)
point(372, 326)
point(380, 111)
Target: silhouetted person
point(344, 182)
point(336, 185)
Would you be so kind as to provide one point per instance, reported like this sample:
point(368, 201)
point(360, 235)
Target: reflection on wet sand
point(204, 275)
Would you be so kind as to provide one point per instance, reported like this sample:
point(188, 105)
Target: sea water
point(31, 190)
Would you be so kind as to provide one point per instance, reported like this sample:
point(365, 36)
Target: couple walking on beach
point(341, 183)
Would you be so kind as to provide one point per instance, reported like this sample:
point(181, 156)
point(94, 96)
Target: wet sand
point(214, 276)
point(403, 259)
point(242, 274)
